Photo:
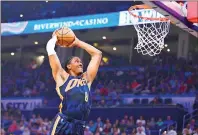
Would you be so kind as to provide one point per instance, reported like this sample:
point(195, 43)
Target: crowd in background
point(156, 79)
point(14, 122)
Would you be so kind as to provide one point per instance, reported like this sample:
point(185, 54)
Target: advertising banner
point(25, 104)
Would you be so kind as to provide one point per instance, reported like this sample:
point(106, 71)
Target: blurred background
point(133, 94)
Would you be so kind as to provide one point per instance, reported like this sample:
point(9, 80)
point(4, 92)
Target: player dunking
point(73, 87)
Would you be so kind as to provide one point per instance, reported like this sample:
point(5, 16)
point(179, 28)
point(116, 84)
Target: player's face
point(76, 66)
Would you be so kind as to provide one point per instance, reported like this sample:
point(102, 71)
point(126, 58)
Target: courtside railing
point(189, 116)
point(166, 128)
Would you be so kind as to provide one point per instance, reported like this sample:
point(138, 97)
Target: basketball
point(65, 37)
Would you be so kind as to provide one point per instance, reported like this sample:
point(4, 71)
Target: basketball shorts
point(63, 125)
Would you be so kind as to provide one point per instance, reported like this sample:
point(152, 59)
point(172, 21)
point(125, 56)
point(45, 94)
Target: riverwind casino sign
point(122, 18)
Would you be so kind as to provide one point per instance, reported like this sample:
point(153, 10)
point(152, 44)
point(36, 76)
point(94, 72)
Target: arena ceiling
point(35, 10)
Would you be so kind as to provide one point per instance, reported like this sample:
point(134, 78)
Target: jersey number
point(86, 97)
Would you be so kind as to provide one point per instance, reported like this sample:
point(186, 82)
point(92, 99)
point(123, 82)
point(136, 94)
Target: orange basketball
point(65, 37)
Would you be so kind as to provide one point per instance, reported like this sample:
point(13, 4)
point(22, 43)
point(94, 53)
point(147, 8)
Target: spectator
point(91, 126)
point(46, 122)
point(160, 122)
point(111, 85)
point(102, 103)
point(187, 130)
point(103, 91)
point(168, 121)
point(115, 131)
point(135, 87)
point(13, 127)
point(42, 129)
point(107, 127)
point(110, 102)
point(145, 90)
point(127, 88)
point(119, 87)
point(182, 88)
point(192, 124)
point(21, 126)
point(153, 90)
point(39, 119)
point(3, 131)
point(34, 91)
point(172, 131)
point(133, 132)
point(123, 126)
point(152, 123)
point(196, 131)
point(156, 100)
point(134, 84)
point(26, 131)
point(141, 127)
point(126, 119)
point(147, 132)
point(140, 131)
point(27, 92)
point(130, 122)
point(99, 123)
point(141, 120)
point(34, 129)
point(117, 124)
point(87, 132)
point(33, 119)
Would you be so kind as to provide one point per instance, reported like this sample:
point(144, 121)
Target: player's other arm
point(94, 64)
point(58, 72)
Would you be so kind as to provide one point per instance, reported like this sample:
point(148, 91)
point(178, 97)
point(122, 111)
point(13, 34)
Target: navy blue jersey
point(75, 96)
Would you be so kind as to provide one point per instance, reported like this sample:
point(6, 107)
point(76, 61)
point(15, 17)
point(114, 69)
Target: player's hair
point(68, 61)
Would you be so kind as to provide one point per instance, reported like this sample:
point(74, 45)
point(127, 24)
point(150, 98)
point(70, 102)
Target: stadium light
point(12, 53)
point(42, 57)
point(105, 59)
point(36, 43)
point(21, 15)
point(168, 50)
point(95, 44)
point(165, 45)
point(114, 48)
point(46, 1)
point(104, 37)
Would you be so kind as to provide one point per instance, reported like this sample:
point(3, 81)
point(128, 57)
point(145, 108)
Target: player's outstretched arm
point(94, 64)
point(57, 71)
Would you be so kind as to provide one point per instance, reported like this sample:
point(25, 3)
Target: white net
point(151, 33)
point(151, 37)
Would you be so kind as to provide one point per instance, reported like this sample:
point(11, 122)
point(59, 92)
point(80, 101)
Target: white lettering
point(22, 104)
point(47, 26)
point(127, 19)
point(81, 22)
point(36, 27)
point(56, 25)
point(42, 26)
point(52, 25)
point(105, 20)
point(64, 24)
point(71, 23)
point(86, 22)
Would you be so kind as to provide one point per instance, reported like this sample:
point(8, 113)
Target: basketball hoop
point(151, 31)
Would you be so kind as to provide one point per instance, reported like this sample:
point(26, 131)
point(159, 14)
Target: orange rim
point(132, 8)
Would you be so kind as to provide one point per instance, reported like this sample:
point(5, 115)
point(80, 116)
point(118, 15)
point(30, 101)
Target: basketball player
point(73, 87)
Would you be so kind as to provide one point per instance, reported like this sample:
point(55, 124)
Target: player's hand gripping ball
point(65, 37)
